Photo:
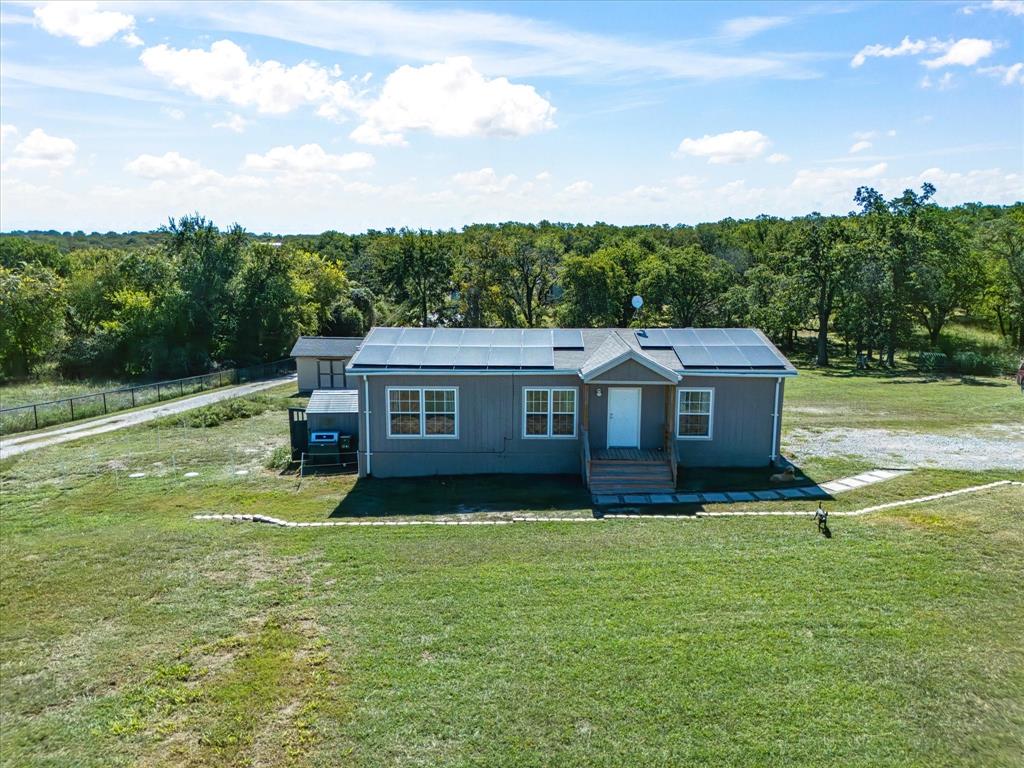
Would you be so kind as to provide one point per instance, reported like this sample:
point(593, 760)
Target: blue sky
point(291, 117)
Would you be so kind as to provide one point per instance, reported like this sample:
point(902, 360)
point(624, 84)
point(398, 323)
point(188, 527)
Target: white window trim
point(423, 414)
point(711, 413)
point(551, 400)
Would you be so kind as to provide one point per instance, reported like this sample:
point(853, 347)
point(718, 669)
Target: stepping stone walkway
point(823, 491)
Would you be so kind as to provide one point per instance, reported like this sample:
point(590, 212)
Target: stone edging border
point(266, 519)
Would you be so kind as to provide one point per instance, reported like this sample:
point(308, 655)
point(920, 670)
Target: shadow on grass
point(725, 479)
point(462, 494)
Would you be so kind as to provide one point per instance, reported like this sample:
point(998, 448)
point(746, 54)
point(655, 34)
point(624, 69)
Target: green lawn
point(131, 634)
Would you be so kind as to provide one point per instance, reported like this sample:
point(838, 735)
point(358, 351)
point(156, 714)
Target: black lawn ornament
point(821, 518)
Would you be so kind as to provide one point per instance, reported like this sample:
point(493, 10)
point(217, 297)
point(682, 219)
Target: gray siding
point(306, 368)
point(490, 429)
point(630, 370)
point(742, 430)
point(652, 416)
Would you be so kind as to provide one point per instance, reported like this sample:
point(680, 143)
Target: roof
point(614, 351)
point(333, 401)
point(326, 346)
point(587, 352)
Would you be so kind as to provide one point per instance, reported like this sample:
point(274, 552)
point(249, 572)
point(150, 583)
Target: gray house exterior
point(320, 361)
point(620, 407)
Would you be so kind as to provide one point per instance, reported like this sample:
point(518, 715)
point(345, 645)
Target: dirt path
point(16, 445)
point(995, 447)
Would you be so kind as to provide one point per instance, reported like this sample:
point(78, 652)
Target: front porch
point(628, 444)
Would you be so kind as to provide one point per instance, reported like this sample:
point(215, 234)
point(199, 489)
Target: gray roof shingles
point(326, 346)
point(333, 401)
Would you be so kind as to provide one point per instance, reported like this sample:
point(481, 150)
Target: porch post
point(586, 407)
point(668, 417)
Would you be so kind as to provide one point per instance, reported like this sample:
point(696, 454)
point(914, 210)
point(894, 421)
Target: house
point(622, 407)
point(320, 361)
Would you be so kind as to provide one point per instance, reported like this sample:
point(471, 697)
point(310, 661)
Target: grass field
point(131, 634)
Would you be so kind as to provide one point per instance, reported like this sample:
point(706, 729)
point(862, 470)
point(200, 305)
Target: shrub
point(280, 458)
point(933, 361)
point(978, 363)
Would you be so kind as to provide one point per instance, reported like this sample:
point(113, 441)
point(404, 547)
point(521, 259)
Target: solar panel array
point(464, 348)
point(714, 348)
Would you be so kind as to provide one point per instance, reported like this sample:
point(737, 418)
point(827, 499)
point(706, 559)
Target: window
point(549, 412)
point(422, 412)
point(694, 414)
point(331, 374)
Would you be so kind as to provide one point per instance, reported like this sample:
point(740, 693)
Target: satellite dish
point(637, 302)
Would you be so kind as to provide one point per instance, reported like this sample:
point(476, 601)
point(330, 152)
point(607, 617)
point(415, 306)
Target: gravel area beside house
point(1000, 447)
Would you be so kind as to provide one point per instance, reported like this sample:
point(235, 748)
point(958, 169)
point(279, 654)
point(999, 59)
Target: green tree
point(1002, 242)
point(31, 317)
point(416, 270)
point(594, 289)
point(527, 268)
point(821, 256)
point(683, 286)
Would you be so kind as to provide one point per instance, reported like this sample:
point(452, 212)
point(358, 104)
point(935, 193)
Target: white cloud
point(943, 83)
point(232, 122)
point(965, 53)
point(225, 73)
point(578, 189)
point(132, 40)
point(173, 112)
point(865, 135)
point(167, 165)
point(451, 99)
point(7, 133)
point(860, 146)
point(891, 132)
point(747, 26)
point(1008, 75)
point(907, 47)
point(543, 176)
point(777, 157)
point(40, 150)
point(648, 193)
point(826, 179)
point(84, 22)
point(731, 147)
point(309, 158)
point(1012, 7)
point(687, 182)
point(484, 181)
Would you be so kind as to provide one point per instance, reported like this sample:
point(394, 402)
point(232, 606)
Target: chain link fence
point(23, 418)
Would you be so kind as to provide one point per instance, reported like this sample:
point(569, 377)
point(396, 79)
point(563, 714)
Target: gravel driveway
point(1000, 447)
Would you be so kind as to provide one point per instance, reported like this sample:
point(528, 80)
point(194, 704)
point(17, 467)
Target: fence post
point(71, 402)
point(104, 402)
point(158, 392)
point(132, 390)
point(181, 387)
point(35, 415)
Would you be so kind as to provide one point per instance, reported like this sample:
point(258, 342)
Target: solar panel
point(477, 337)
point(762, 357)
point(374, 354)
point(566, 339)
point(447, 336)
point(653, 338)
point(504, 357)
point(471, 357)
point(416, 336)
point(712, 337)
point(440, 356)
point(407, 357)
point(682, 337)
point(728, 357)
point(538, 357)
point(537, 337)
point(384, 336)
point(506, 337)
point(743, 336)
point(694, 357)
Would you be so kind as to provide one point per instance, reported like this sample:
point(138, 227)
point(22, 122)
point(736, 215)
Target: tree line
point(191, 297)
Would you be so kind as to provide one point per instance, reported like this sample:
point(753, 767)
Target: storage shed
point(320, 361)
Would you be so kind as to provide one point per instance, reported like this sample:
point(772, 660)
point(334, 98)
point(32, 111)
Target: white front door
point(623, 417)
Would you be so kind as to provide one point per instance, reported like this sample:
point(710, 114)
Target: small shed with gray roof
point(320, 361)
point(624, 408)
